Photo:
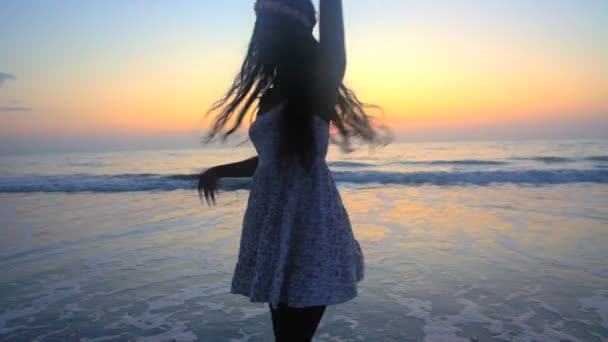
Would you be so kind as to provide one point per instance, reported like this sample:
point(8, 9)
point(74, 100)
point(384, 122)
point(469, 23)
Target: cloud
point(6, 77)
point(14, 109)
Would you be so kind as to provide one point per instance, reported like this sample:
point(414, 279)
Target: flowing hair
point(293, 73)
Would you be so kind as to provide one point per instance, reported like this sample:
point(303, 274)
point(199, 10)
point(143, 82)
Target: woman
point(297, 249)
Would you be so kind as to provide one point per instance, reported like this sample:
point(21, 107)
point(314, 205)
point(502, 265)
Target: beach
point(487, 241)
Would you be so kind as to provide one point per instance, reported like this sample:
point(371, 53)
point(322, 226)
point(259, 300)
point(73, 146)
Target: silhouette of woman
point(297, 250)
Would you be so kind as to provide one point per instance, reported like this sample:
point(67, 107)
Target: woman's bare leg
point(295, 324)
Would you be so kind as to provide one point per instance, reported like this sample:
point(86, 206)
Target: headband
point(277, 6)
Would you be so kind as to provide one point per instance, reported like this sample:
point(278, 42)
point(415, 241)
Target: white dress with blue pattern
point(297, 245)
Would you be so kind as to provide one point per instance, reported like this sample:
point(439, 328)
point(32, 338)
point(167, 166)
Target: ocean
point(463, 241)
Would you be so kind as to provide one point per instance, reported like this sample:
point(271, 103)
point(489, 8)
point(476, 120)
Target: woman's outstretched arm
point(245, 168)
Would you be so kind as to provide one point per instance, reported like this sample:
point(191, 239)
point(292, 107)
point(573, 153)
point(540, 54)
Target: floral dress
point(297, 245)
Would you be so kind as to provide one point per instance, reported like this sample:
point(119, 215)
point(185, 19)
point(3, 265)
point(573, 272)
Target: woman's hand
point(207, 185)
point(207, 181)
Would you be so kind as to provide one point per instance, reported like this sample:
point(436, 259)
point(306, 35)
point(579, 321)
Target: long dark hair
point(292, 72)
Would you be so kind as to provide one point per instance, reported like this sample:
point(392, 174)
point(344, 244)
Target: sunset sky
point(92, 72)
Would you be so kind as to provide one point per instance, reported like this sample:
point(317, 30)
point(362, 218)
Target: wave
point(471, 162)
point(557, 159)
point(467, 162)
point(164, 182)
point(474, 162)
point(547, 159)
point(597, 158)
point(87, 164)
point(534, 177)
point(463, 162)
point(349, 164)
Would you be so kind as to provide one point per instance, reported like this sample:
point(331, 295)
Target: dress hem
point(325, 303)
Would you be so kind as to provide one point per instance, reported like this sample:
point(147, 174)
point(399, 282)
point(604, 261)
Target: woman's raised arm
point(331, 39)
